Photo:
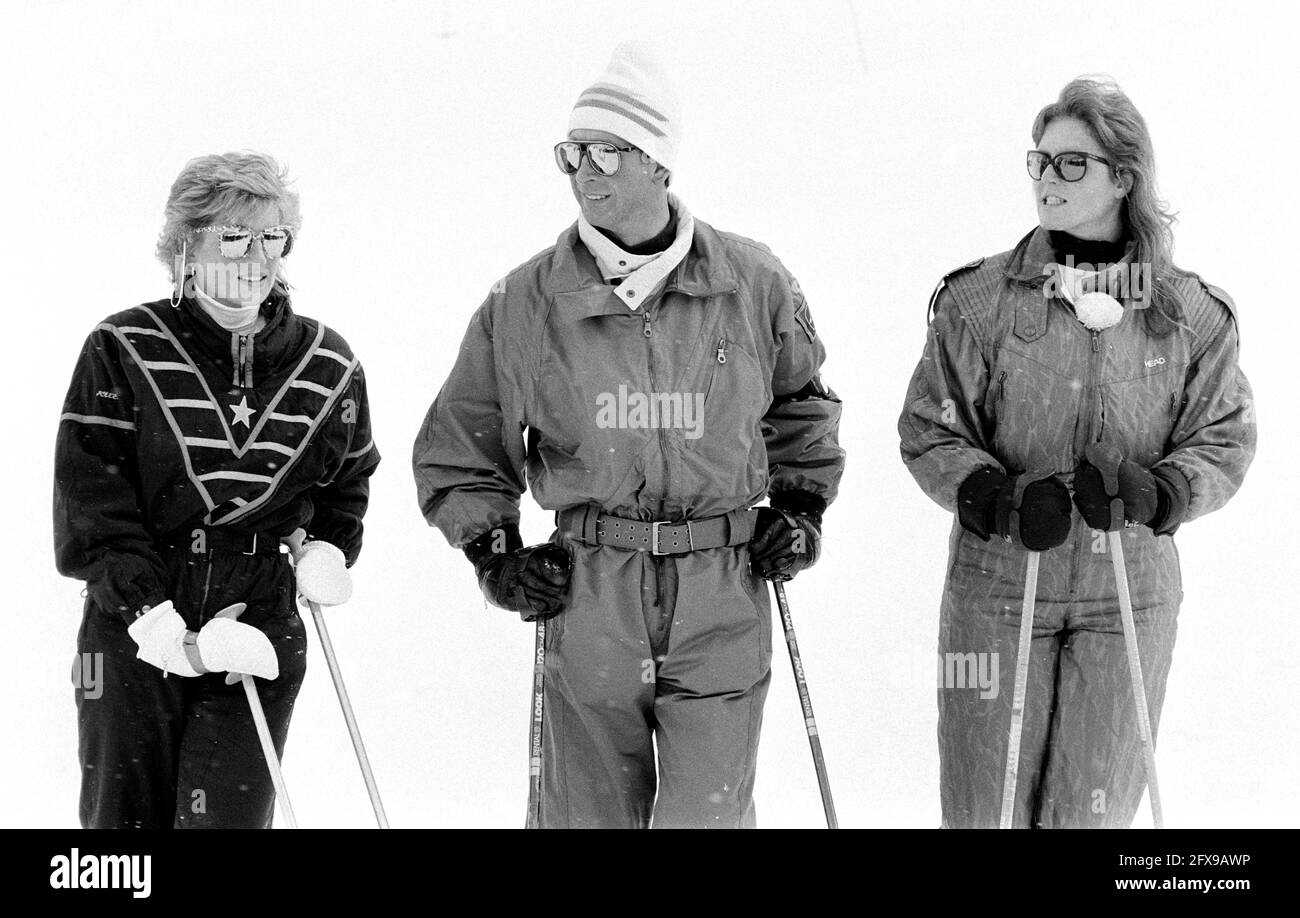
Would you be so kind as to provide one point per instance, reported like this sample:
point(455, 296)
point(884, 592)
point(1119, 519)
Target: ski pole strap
point(677, 537)
point(205, 540)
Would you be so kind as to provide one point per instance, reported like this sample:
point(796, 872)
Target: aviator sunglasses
point(235, 241)
point(604, 157)
point(1070, 166)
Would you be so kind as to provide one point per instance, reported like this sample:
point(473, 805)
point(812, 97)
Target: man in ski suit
point(667, 376)
point(195, 436)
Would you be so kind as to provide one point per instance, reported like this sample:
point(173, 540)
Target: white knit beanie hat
point(634, 99)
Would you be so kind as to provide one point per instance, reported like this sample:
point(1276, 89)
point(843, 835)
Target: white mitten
point(160, 635)
point(230, 646)
point(323, 576)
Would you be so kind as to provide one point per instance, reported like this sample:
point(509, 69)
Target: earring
point(178, 280)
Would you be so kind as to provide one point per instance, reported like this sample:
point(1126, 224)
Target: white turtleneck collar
point(244, 319)
point(641, 275)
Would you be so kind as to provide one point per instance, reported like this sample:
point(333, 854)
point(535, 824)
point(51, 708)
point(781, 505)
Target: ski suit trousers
point(672, 652)
point(161, 751)
point(1081, 762)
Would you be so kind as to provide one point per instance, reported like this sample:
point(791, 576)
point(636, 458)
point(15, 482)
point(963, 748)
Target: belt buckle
point(654, 537)
point(254, 549)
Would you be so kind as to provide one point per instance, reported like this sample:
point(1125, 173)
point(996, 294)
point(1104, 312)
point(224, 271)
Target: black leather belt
point(204, 540)
point(590, 525)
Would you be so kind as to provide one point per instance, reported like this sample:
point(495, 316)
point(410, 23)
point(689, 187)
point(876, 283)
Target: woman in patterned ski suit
point(196, 434)
point(1011, 391)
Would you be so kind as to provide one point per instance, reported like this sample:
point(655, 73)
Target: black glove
point(531, 581)
point(986, 502)
point(787, 536)
point(1156, 498)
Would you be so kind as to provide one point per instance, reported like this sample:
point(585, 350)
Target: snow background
point(420, 135)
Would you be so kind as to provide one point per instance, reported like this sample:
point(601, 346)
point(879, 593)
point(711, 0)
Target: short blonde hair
point(219, 188)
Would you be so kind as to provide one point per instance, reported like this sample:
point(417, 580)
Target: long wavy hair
point(1122, 132)
point(222, 188)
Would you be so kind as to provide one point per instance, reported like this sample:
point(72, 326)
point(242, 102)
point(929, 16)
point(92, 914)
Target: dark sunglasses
point(604, 157)
point(1070, 166)
point(235, 241)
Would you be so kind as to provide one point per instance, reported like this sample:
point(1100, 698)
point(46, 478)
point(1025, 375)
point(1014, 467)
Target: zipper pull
point(722, 350)
point(245, 371)
point(1096, 342)
point(1002, 386)
point(646, 329)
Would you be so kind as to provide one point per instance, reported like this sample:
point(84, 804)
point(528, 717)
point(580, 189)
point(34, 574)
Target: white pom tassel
point(1098, 311)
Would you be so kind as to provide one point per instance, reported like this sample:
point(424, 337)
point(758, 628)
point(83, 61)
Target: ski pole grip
point(1106, 458)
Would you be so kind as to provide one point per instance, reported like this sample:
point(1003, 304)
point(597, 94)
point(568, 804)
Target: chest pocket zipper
point(720, 356)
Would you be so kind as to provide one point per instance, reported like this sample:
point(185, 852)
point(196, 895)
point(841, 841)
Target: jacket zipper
point(246, 361)
point(1094, 392)
point(207, 582)
point(1002, 388)
point(656, 562)
point(1173, 406)
point(241, 355)
point(721, 357)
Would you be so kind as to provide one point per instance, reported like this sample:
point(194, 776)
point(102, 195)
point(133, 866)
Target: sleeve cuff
point(495, 541)
point(975, 499)
point(804, 502)
point(1174, 493)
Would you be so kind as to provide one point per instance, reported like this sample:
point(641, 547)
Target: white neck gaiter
point(230, 318)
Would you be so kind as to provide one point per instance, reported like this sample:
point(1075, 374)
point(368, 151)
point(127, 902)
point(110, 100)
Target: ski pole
point(1135, 674)
point(534, 818)
point(810, 723)
point(268, 750)
point(1012, 772)
point(371, 788)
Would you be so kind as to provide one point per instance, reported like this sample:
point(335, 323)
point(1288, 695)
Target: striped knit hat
point(635, 100)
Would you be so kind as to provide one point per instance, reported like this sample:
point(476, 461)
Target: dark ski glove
point(1038, 514)
point(1156, 497)
point(531, 581)
point(787, 535)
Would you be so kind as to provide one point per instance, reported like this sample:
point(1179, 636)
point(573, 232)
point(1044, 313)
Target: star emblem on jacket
point(243, 414)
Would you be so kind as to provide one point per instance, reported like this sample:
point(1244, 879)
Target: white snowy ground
point(420, 137)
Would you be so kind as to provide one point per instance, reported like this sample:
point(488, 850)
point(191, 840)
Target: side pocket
point(760, 596)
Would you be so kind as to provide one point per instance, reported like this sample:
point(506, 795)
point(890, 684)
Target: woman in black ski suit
point(197, 433)
point(1034, 357)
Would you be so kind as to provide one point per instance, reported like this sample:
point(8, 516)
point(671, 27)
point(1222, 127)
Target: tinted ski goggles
point(1070, 166)
point(604, 157)
point(235, 241)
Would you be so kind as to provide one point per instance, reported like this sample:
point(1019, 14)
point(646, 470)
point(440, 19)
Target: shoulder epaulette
point(943, 282)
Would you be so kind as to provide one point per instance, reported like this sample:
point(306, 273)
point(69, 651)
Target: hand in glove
point(222, 644)
point(1034, 510)
point(160, 633)
point(531, 581)
point(787, 536)
point(321, 570)
point(227, 645)
point(1110, 490)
